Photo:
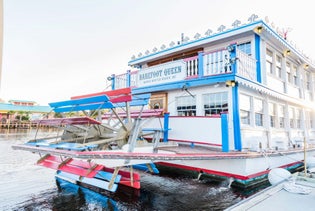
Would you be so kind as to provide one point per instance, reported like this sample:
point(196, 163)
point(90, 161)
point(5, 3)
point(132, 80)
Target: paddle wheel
point(109, 121)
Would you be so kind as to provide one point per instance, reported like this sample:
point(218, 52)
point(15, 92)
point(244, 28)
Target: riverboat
point(232, 104)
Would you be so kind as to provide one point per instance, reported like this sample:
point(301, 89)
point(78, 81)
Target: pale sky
point(55, 49)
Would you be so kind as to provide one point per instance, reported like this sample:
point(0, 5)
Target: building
point(9, 111)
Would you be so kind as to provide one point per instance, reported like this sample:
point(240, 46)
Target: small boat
point(231, 105)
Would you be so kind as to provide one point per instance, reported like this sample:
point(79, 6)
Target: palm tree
point(21, 113)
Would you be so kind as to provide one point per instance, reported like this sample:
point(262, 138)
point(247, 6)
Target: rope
point(294, 188)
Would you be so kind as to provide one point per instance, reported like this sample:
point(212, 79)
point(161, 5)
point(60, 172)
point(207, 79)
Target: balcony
point(206, 64)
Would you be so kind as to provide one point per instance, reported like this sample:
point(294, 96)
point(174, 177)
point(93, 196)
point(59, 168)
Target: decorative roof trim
point(261, 88)
point(195, 43)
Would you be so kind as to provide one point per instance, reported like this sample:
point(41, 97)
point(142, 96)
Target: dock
point(297, 194)
point(19, 125)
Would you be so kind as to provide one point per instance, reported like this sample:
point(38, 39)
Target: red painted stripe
point(73, 166)
point(49, 164)
point(187, 117)
point(223, 174)
point(196, 142)
point(123, 173)
point(112, 93)
point(145, 113)
point(135, 184)
point(121, 99)
point(71, 120)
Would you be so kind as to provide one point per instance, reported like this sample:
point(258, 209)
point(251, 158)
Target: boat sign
point(168, 72)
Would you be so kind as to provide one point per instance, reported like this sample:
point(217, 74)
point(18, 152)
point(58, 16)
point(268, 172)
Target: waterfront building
point(14, 108)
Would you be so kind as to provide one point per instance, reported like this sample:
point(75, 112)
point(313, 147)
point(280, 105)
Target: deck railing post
point(233, 58)
point(113, 81)
point(200, 64)
point(257, 53)
point(166, 125)
point(225, 132)
point(128, 79)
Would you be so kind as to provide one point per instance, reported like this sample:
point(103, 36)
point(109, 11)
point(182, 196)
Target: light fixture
point(216, 85)
point(258, 29)
point(230, 48)
point(230, 83)
point(286, 52)
point(306, 66)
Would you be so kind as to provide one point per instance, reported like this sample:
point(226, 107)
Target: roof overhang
point(258, 27)
point(196, 43)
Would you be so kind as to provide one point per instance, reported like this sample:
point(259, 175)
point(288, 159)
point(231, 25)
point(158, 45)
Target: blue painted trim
point(84, 107)
point(95, 99)
point(200, 64)
point(89, 195)
point(166, 125)
point(225, 133)
point(128, 79)
point(90, 181)
point(233, 56)
point(144, 167)
point(11, 107)
point(113, 81)
point(137, 100)
point(257, 53)
point(236, 119)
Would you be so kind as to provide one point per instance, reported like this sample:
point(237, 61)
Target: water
point(25, 186)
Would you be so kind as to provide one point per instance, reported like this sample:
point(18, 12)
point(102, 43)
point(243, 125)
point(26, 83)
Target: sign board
point(164, 73)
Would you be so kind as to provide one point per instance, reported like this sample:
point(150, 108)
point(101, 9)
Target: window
point(312, 120)
point(215, 103)
point(298, 115)
point(269, 61)
point(278, 66)
point(245, 47)
point(186, 106)
point(307, 119)
point(294, 73)
point(272, 114)
point(245, 106)
point(288, 69)
point(291, 117)
point(308, 81)
point(281, 115)
point(258, 107)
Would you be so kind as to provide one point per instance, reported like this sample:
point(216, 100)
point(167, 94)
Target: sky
point(55, 49)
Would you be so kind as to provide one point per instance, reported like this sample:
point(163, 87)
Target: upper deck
point(237, 55)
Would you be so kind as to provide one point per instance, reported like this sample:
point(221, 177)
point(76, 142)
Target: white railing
point(133, 78)
point(191, 66)
point(246, 65)
point(120, 81)
point(216, 62)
